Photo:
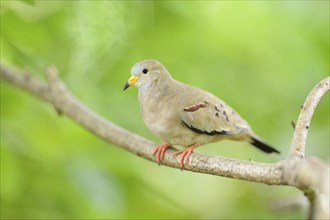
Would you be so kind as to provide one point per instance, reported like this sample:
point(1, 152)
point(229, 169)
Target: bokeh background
point(261, 57)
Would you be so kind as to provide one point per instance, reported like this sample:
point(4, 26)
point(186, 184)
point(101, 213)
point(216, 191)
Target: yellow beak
point(131, 81)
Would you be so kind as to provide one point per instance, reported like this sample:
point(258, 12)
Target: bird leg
point(185, 154)
point(160, 151)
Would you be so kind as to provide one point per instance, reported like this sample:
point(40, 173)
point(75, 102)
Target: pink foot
point(185, 154)
point(160, 151)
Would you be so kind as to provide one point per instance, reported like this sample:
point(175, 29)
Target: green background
point(261, 57)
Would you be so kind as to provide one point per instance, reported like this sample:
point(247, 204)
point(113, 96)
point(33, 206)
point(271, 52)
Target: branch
point(305, 117)
point(64, 102)
point(311, 175)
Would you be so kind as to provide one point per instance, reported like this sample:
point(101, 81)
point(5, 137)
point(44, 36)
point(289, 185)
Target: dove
point(180, 114)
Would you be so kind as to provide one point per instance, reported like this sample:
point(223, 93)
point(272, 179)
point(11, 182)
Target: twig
point(301, 128)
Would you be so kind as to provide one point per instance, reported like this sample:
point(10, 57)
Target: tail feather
point(263, 146)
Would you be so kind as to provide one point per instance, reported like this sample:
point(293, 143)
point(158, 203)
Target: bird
point(184, 115)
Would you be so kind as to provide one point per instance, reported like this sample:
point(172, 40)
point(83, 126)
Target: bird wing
point(204, 113)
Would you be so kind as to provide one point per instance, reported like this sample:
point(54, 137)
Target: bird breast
point(158, 112)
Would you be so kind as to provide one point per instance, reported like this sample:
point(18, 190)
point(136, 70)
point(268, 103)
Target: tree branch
point(57, 94)
point(305, 117)
point(308, 174)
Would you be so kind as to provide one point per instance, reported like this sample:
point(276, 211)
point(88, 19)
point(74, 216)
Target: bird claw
point(159, 152)
point(185, 154)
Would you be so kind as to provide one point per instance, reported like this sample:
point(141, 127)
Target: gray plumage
point(184, 115)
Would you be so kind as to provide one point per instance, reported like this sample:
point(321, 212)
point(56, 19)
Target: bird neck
point(158, 88)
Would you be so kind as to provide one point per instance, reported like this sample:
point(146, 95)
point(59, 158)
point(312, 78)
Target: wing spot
point(226, 116)
point(195, 107)
point(217, 114)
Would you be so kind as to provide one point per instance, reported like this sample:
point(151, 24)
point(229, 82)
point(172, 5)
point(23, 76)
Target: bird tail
point(263, 146)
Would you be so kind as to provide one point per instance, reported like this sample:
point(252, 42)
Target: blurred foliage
point(261, 57)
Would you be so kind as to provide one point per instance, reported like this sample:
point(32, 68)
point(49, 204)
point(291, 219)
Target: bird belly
point(178, 135)
point(187, 138)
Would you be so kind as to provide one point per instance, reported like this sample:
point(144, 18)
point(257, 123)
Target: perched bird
point(184, 115)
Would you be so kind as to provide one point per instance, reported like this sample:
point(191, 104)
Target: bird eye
point(145, 70)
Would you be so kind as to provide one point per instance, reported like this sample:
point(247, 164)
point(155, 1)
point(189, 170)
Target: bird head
point(146, 73)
